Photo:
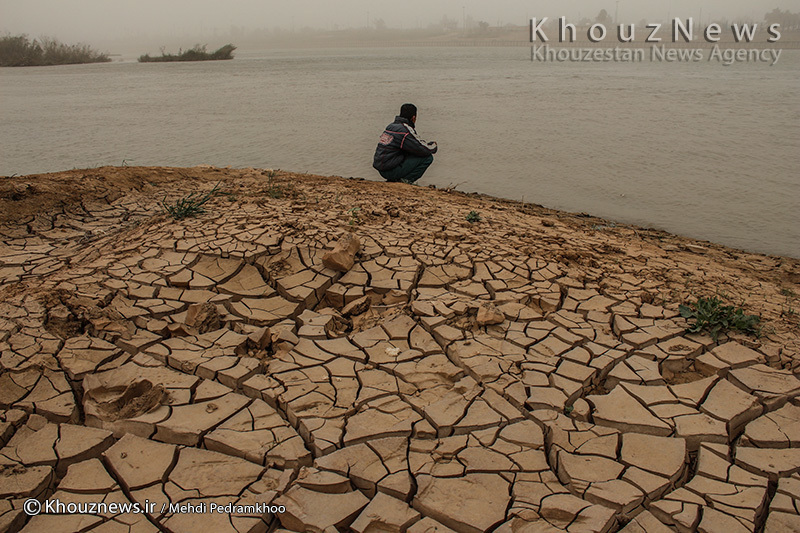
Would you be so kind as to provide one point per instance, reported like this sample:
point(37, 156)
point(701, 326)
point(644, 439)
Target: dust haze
point(148, 24)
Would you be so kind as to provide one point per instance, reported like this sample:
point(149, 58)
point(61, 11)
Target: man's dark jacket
point(399, 140)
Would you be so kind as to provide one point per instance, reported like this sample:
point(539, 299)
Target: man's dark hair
point(408, 111)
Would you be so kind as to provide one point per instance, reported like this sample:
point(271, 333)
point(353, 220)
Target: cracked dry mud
point(528, 373)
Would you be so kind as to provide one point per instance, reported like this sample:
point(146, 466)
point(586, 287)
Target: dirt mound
point(117, 403)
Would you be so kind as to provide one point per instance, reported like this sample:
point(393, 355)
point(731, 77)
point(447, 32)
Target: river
point(697, 149)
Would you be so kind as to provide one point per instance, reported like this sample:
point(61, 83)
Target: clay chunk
point(343, 256)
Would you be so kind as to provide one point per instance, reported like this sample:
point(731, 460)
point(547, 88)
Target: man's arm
point(416, 146)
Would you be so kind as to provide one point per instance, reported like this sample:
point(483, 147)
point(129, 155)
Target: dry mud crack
point(527, 373)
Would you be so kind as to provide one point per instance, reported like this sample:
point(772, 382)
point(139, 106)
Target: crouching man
point(401, 155)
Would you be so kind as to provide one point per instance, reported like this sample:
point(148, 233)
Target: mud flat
point(358, 355)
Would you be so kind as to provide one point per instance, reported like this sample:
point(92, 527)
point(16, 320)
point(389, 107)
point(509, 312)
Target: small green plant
point(787, 307)
point(711, 315)
point(273, 191)
point(191, 205)
point(473, 217)
point(354, 220)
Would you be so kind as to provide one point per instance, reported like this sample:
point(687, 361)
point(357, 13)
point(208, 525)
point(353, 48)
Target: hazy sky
point(106, 20)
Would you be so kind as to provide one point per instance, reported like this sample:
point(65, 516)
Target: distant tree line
point(198, 53)
point(20, 51)
point(787, 19)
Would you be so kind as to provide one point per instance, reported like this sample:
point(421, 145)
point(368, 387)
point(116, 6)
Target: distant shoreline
point(514, 37)
point(481, 43)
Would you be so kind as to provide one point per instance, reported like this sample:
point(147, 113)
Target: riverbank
point(434, 361)
point(679, 268)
